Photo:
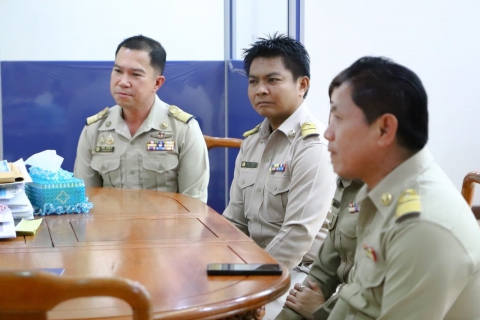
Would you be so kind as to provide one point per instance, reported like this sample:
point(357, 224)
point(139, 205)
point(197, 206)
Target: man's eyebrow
point(134, 69)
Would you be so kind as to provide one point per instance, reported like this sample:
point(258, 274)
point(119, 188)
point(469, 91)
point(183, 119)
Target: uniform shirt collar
point(294, 122)
point(398, 180)
point(155, 118)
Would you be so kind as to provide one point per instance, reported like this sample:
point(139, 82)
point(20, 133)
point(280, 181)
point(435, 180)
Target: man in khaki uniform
point(333, 262)
point(418, 253)
point(283, 181)
point(142, 142)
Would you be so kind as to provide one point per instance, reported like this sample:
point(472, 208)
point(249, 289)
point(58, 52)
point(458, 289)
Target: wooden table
point(162, 240)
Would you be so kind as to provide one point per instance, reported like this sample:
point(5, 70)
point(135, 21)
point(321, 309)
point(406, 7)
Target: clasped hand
point(304, 300)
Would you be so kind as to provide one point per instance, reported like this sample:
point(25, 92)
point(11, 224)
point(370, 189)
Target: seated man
point(334, 260)
point(142, 142)
point(418, 253)
point(283, 181)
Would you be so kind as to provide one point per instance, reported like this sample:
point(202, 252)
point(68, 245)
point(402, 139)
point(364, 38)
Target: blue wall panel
point(241, 115)
point(45, 105)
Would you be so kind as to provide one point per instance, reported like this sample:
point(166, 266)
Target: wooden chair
point(30, 294)
point(214, 142)
point(468, 186)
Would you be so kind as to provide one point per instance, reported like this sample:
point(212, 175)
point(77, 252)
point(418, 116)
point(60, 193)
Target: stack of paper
point(13, 194)
point(7, 226)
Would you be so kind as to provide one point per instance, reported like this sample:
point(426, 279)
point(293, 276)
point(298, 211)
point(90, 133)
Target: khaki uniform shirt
point(418, 252)
point(336, 255)
point(283, 211)
point(182, 167)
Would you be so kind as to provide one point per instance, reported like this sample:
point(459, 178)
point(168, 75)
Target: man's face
point(134, 82)
point(273, 92)
point(351, 139)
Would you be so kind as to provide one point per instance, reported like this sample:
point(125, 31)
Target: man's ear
point(386, 126)
point(159, 81)
point(303, 84)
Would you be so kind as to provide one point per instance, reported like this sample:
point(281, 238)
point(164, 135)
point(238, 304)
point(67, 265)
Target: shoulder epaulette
point(97, 117)
point(309, 129)
point(250, 132)
point(180, 114)
point(408, 205)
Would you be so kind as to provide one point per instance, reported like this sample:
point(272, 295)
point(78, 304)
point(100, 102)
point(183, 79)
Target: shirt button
point(132, 171)
point(345, 204)
point(266, 160)
point(255, 220)
point(259, 189)
point(243, 182)
point(261, 141)
point(275, 188)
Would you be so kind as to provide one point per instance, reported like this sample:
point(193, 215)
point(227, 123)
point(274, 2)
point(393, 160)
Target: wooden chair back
point(30, 294)
point(215, 142)
point(468, 186)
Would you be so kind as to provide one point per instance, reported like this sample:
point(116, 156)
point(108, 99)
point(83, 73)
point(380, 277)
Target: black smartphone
point(245, 269)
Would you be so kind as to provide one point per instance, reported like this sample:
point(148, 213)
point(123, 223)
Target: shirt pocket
point(160, 172)
point(109, 169)
point(371, 274)
point(246, 181)
point(277, 188)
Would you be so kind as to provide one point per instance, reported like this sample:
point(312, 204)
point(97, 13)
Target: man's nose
point(124, 81)
point(328, 134)
point(262, 89)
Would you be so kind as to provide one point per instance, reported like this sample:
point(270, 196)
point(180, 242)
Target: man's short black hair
point(157, 53)
point(293, 54)
point(381, 86)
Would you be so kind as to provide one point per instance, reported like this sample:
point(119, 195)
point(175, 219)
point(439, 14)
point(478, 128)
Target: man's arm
point(235, 211)
point(193, 164)
point(82, 169)
point(427, 268)
point(312, 186)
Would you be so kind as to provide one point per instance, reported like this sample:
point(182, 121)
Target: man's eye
point(252, 81)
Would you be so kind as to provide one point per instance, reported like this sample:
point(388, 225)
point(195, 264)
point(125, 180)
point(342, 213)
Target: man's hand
point(304, 300)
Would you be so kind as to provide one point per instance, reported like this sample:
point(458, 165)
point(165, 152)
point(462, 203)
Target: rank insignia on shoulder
point(104, 149)
point(246, 164)
point(277, 167)
point(309, 129)
point(250, 132)
point(408, 205)
point(181, 115)
point(370, 253)
point(97, 117)
point(353, 207)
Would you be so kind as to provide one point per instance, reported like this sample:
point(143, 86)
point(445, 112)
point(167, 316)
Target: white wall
point(92, 29)
point(437, 39)
point(257, 18)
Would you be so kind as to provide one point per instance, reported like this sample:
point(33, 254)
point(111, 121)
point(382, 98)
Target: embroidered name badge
point(160, 145)
point(336, 203)
point(278, 167)
point(370, 253)
point(246, 164)
point(353, 207)
point(104, 149)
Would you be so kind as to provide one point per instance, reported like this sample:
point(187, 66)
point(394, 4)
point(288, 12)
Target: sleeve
point(194, 168)
point(82, 169)
point(426, 265)
point(235, 211)
point(312, 186)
